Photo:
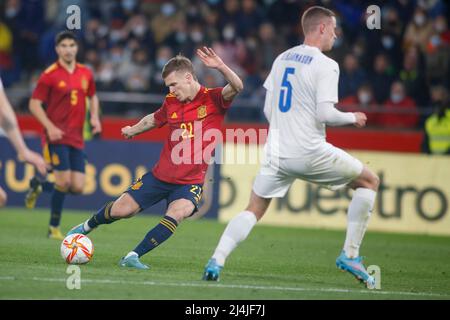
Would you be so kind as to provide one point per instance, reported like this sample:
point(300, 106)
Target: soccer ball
point(77, 249)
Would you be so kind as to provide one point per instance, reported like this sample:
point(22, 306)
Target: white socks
point(236, 231)
point(86, 226)
point(358, 216)
point(131, 253)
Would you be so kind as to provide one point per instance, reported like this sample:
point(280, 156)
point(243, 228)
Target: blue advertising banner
point(111, 167)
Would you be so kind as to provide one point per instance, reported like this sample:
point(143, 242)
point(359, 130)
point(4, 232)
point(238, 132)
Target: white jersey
point(300, 79)
point(1, 84)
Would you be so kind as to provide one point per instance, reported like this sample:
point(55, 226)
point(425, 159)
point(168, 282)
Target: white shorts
point(330, 167)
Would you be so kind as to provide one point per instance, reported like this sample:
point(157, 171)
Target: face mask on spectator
point(419, 19)
point(160, 62)
point(135, 83)
point(106, 75)
point(388, 42)
point(115, 35)
point(139, 30)
point(228, 33)
point(196, 36)
point(11, 12)
point(435, 40)
point(439, 27)
point(116, 57)
point(102, 31)
point(128, 5)
point(364, 97)
point(181, 37)
point(168, 9)
point(396, 97)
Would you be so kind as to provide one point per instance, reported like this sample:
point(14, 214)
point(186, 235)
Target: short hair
point(65, 35)
point(177, 63)
point(311, 17)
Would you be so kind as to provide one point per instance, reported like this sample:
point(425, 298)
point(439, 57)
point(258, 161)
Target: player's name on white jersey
point(298, 57)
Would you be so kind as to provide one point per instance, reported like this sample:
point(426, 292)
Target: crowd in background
point(389, 73)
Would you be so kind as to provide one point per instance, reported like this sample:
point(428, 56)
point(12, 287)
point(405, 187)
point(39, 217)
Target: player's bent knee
point(63, 186)
point(124, 207)
point(180, 209)
point(372, 180)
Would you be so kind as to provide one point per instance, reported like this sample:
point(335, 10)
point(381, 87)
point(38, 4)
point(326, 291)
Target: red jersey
point(64, 95)
point(187, 150)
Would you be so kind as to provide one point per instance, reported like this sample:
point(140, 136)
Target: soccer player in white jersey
point(300, 97)
point(8, 122)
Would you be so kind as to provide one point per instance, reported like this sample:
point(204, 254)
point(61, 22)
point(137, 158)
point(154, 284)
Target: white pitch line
point(237, 286)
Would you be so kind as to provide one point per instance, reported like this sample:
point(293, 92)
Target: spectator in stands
point(137, 28)
point(418, 31)
point(438, 53)
point(163, 54)
point(250, 18)
point(362, 101)
point(30, 26)
point(392, 22)
point(267, 46)
point(229, 13)
point(437, 126)
point(400, 110)
point(432, 7)
point(381, 78)
point(135, 74)
point(391, 46)
point(6, 41)
point(412, 75)
point(249, 34)
point(211, 27)
point(352, 76)
point(162, 24)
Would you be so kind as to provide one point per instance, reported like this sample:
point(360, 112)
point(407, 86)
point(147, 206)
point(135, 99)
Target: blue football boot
point(212, 270)
point(356, 268)
point(78, 229)
point(132, 262)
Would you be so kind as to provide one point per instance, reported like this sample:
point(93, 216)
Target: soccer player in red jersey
point(63, 89)
point(190, 110)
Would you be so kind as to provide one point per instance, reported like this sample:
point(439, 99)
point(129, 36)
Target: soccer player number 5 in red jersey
point(59, 103)
point(190, 110)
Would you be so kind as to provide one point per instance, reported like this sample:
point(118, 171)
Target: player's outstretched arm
point(329, 115)
point(145, 124)
point(212, 60)
point(8, 122)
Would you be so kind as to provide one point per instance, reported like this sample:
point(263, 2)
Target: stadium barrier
point(413, 197)
point(111, 167)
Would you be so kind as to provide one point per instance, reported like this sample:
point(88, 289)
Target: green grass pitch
point(274, 263)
